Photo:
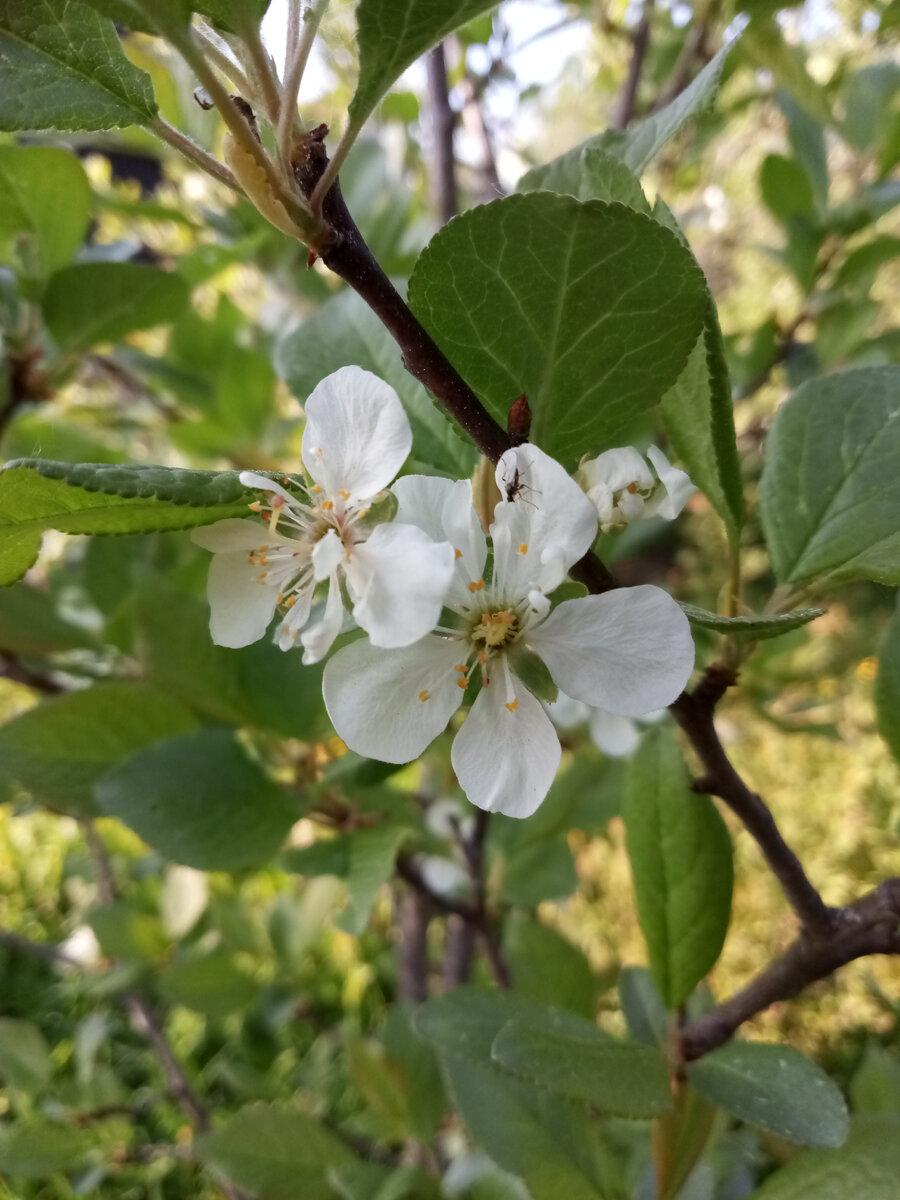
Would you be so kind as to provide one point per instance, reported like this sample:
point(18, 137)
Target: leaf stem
point(262, 72)
point(295, 66)
point(197, 155)
point(226, 65)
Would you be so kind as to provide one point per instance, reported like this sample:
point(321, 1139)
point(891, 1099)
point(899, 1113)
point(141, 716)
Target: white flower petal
point(506, 761)
point(234, 533)
point(240, 606)
point(444, 510)
point(676, 489)
point(253, 480)
point(443, 876)
point(328, 553)
point(616, 469)
point(399, 580)
point(545, 529)
point(614, 735)
point(628, 651)
point(391, 704)
point(357, 435)
point(318, 639)
point(297, 616)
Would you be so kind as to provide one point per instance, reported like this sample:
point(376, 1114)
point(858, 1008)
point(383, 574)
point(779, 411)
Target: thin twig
point(263, 72)
point(868, 926)
point(196, 154)
point(640, 44)
point(443, 123)
point(694, 712)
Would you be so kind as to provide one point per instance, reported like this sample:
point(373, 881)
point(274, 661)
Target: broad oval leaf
point(62, 67)
point(58, 749)
point(276, 1151)
point(699, 418)
point(775, 1088)
point(94, 302)
point(200, 801)
point(590, 309)
point(32, 179)
point(24, 1055)
point(682, 863)
point(38, 494)
point(392, 34)
point(625, 1079)
point(830, 488)
point(593, 173)
point(867, 1167)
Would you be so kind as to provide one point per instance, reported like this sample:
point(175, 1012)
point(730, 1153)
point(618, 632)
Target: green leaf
point(30, 625)
point(764, 46)
point(199, 800)
point(418, 1060)
point(89, 303)
point(868, 104)
point(887, 686)
point(875, 1087)
point(212, 984)
point(546, 1139)
point(57, 750)
point(37, 233)
point(621, 1078)
point(635, 148)
point(592, 173)
point(830, 488)
point(775, 1088)
point(24, 1055)
point(62, 67)
point(125, 933)
point(259, 685)
point(546, 967)
point(392, 34)
point(867, 1167)
point(591, 309)
point(681, 860)
point(37, 494)
point(756, 628)
point(37, 1149)
point(365, 859)
point(807, 138)
point(699, 419)
point(275, 1151)
point(343, 332)
point(642, 1007)
point(643, 141)
point(786, 188)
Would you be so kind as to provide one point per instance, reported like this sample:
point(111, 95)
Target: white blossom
point(623, 489)
point(357, 437)
point(628, 650)
point(615, 735)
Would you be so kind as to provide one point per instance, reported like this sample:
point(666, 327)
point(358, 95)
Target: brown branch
point(443, 124)
point(413, 910)
point(640, 44)
point(694, 712)
point(868, 926)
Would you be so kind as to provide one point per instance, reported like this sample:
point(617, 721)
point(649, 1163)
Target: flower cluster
point(442, 626)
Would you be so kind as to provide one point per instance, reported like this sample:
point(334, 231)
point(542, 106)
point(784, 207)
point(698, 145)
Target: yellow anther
point(462, 668)
point(263, 574)
point(476, 585)
point(482, 657)
point(327, 505)
point(263, 549)
point(512, 705)
point(424, 695)
point(343, 493)
point(523, 548)
point(316, 488)
point(290, 602)
point(462, 682)
point(457, 553)
point(256, 506)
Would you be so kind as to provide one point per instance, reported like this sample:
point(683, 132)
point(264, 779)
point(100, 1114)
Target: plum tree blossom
point(357, 437)
point(628, 651)
point(623, 488)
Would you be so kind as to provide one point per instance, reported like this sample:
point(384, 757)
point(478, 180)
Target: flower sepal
point(533, 673)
